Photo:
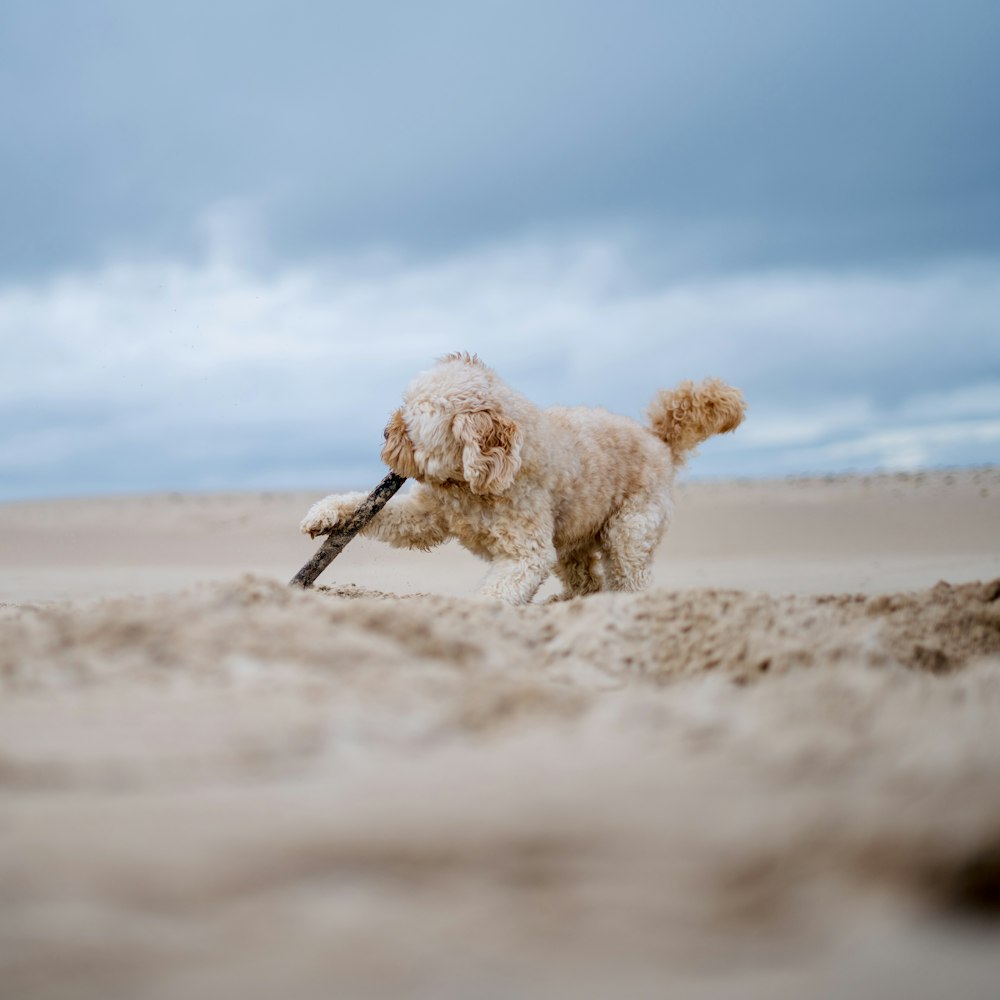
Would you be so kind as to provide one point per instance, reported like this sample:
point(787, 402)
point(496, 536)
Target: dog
point(577, 491)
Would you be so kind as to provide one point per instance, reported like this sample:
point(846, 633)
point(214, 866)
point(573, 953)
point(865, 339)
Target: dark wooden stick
point(334, 543)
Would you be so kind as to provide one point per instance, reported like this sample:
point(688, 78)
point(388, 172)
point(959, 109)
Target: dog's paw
point(560, 598)
point(329, 513)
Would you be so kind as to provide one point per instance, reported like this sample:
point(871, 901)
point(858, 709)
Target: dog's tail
point(686, 416)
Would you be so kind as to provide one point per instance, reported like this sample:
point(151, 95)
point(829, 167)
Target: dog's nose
point(385, 433)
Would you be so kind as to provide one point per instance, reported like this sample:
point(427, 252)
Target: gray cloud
point(774, 133)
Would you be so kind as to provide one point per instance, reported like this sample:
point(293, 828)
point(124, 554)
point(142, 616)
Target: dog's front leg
point(413, 521)
point(516, 580)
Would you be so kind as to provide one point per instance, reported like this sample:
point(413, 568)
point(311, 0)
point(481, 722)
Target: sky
point(231, 232)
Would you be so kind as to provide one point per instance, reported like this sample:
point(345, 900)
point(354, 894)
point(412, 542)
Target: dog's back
point(602, 460)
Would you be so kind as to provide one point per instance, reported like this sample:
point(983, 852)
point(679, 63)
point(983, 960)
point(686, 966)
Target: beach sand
point(774, 774)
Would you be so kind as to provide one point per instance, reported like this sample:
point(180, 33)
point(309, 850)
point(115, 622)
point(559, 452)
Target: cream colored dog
point(580, 491)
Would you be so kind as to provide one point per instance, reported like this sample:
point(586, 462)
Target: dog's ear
point(491, 450)
point(397, 452)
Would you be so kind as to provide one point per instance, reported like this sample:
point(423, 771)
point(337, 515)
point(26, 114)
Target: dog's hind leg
point(628, 542)
point(579, 569)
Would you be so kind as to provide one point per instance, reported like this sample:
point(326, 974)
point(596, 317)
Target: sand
point(775, 774)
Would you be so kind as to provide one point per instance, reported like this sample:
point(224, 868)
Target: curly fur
point(491, 450)
point(686, 416)
point(580, 492)
point(397, 452)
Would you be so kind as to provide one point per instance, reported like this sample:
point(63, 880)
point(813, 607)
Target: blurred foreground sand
point(776, 774)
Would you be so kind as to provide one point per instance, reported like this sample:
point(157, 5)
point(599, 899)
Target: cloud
point(778, 133)
point(222, 372)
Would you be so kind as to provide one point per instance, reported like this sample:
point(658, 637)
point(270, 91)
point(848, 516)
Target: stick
point(334, 543)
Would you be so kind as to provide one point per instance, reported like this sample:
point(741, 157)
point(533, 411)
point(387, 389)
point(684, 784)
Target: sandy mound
point(244, 790)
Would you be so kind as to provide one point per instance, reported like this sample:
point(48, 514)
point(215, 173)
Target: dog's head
point(452, 428)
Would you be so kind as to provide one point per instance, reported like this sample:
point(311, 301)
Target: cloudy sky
point(230, 232)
